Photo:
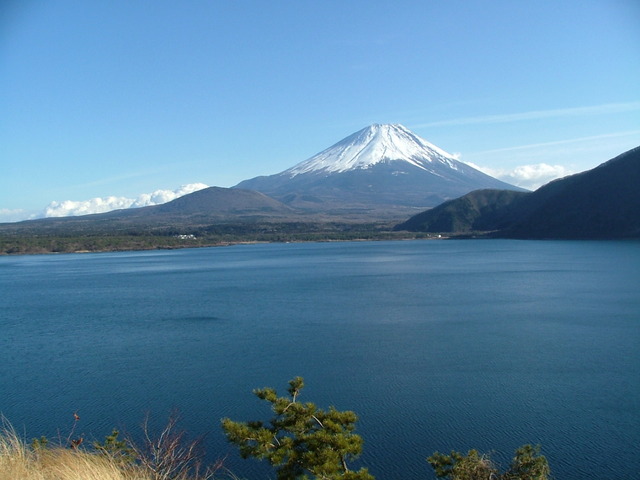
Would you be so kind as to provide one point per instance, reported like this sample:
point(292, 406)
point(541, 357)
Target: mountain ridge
point(603, 203)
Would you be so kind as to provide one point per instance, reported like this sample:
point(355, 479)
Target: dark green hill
point(601, 203)
point(475, 211)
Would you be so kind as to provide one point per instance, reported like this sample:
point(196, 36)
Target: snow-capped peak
point(374, 144)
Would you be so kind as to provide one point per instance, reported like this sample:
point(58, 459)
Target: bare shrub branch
point(170, 455)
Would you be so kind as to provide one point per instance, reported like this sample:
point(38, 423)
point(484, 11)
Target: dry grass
point(20, 461)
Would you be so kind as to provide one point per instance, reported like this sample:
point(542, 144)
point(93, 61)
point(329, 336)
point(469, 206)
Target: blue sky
point(122, 98)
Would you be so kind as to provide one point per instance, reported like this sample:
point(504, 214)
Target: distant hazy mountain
point(381, 166)
point(204, 207)
point(601, 203)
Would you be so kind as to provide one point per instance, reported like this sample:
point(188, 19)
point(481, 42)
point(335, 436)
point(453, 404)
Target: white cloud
point(164, 196)
point(106, 204)
point(534, 176)
point(537, 161)
point(527, 176)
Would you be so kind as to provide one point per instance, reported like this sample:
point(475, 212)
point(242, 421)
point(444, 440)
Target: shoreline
point(56, 245)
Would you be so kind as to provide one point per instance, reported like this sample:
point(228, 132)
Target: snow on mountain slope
point(374, 144)
point(379, 170)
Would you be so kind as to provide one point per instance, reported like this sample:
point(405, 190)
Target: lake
point(436, 345)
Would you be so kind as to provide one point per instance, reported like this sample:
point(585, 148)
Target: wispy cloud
point(114, 179)
point(15, 215)
point(605, 109)
point(561, 142)
point(133, 174)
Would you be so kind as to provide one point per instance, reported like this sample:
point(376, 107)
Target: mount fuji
point(381, 168)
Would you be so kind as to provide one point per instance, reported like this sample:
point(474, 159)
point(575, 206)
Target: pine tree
point(527, 464)
point(301, 439)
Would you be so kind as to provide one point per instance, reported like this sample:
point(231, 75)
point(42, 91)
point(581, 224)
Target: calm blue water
point(437, 345)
